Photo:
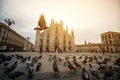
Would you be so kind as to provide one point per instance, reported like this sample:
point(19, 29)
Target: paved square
point(46, 70)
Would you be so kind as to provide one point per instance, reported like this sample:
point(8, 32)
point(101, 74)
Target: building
point(10, 40)
point(111, 41)
point(55, 38)
point(89, 48)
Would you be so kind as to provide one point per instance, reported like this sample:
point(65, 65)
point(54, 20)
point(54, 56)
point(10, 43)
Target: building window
point(63, 42)
point(117, 41)
point(47, 49)
point(41, 40)
point(69, 47)
point(105, 36)
point(56, 37)
point(69, 42)
point(106, 42)
point(113, 36)
point(109, 36)
point(110, 42)
point(119, 37)
point(47, 41)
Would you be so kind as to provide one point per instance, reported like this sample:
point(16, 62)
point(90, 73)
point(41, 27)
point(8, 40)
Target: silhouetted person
point(29, 63)
point(31, 70)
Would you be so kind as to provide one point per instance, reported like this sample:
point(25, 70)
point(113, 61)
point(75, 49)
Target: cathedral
point(54, 39)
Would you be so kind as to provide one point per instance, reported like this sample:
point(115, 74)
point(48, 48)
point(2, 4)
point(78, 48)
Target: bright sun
point(66, 21)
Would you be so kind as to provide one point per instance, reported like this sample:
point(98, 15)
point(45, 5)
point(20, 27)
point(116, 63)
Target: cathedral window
point(56, 37)
point(69, 42)
point(41, 40)
point(47, 41)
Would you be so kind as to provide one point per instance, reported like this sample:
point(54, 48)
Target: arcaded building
point(111, 41)
point(55, 38)
point(10, 40)
point(89, 48)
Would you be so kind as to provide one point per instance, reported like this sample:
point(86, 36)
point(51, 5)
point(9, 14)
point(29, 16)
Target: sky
point(88, 18)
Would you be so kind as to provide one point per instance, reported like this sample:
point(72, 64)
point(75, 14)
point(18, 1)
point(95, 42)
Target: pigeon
point(77, 65)
point(38, 66)
point(16, 74)
point(71, 67)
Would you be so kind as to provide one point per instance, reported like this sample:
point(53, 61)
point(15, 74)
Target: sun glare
point(66, 21)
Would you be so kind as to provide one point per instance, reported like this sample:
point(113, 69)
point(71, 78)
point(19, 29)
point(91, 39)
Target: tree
point(9, 22)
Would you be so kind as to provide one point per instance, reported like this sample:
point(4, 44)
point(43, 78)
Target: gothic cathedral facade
point(55, 38)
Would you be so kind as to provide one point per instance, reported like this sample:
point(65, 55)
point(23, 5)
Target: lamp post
point(27, 46)
point(102, 49)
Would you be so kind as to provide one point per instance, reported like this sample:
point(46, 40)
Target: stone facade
point(111, 41)
point(11, 40)
point(89, 48)
point(55, 38)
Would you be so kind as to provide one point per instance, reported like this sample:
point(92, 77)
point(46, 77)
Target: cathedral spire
point(85, 42)
point(52, 21)
point(61, 23)
point(66, 29)
point(72, 33)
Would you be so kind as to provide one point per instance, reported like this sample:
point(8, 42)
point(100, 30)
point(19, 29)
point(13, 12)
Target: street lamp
point(102, 49)
point(27, 46)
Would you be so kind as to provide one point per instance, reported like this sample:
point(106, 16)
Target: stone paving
point(46, 71)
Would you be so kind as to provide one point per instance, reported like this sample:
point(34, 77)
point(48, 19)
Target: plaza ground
point(46, 71)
